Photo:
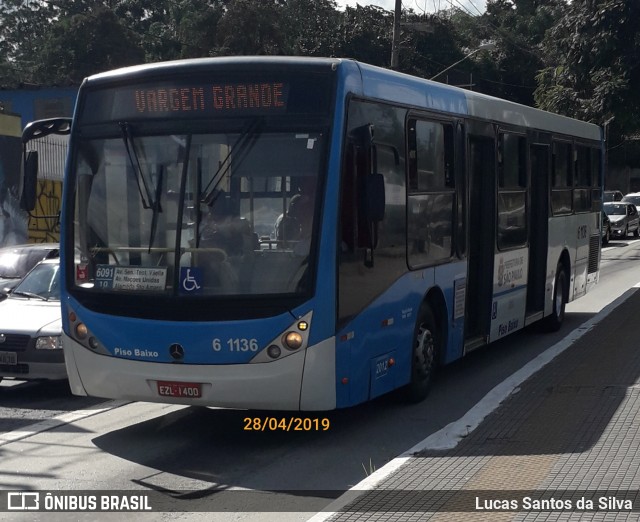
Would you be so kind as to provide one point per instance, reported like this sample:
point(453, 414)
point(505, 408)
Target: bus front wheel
point(554, 321)
point(424, 355)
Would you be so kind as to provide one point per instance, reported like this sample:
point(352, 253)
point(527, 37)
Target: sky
point(473, 7)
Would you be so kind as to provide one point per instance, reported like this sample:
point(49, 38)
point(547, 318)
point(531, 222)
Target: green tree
point(312, 27)
point(21, 26)
point(99, 42)
point(174, 29)
point(593, 63)
point(429, 45)
point(518, 27)
point(366, 34)
point(253, 27)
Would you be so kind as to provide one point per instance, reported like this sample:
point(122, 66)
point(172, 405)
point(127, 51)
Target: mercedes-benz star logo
point(176, 351)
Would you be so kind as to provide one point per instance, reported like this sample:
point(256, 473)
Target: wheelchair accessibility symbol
point(190, 280)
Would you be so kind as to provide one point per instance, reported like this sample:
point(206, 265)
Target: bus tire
point(554, 321)
point(424, 355)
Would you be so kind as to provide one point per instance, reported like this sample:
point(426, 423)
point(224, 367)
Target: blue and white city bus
point(308, 234)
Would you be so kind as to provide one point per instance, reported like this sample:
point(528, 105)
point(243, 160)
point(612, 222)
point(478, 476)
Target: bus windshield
point(219, 214)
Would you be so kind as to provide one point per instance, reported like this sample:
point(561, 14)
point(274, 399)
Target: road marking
point(55, 422)
point(449, 436)
point(7, 383)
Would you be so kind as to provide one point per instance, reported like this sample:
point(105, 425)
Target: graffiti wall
point(44, 225)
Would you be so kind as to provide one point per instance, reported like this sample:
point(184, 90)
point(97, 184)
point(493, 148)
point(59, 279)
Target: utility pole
point(395, 43)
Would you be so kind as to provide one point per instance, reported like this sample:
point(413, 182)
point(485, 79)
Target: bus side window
point(562, 179)
point(512, 191)
point(356, 230)
point(348, 204)
point(431, 200)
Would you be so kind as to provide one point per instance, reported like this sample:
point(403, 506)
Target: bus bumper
point(301, 381)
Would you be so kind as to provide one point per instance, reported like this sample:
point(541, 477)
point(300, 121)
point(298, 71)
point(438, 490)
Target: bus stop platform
point(564, 445)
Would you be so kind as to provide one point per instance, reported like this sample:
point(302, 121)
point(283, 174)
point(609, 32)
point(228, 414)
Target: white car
point(624, 218)
point(31, 327)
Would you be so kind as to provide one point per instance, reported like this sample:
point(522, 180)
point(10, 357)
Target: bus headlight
point(50, 342)
point(81, 334)
point(81, 331)
point(293, 340)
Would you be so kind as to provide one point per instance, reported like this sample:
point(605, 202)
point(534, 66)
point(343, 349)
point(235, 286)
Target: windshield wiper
point(134, 161)
point(30, 295)
point(156, 207)
point(240, 148)
point(152, 200)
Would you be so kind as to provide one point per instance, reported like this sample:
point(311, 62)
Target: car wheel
point(607, 236)
point(636, 232)
point(554, 321)
point(626, 232)
point(424, 355)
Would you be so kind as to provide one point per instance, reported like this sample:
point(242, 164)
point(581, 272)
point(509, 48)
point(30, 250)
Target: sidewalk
point(569, 436)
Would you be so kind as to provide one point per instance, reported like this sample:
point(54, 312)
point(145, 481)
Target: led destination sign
point(225, 97)
point(239, 96)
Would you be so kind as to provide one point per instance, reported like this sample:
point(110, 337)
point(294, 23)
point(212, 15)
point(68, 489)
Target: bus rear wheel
point(424, 356)
point(554, 321)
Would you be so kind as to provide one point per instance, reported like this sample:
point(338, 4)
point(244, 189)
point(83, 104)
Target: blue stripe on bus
point(387, 325)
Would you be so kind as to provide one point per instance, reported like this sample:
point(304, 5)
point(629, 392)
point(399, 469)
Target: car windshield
point(616, 209)
point(43, 281)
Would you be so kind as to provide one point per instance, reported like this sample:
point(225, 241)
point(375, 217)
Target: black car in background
point(612, 195)
point(17, 260)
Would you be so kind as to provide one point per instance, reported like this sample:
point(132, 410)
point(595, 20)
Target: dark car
point(613, 195)
point(17, 260)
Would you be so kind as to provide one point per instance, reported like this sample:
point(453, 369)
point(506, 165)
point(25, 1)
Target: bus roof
point(403, 88)
point(378, 83)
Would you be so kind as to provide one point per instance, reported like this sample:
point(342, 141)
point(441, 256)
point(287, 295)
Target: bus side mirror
point(29, 188)
point(374, 198)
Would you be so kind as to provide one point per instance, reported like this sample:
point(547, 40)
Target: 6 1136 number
point(237, 344)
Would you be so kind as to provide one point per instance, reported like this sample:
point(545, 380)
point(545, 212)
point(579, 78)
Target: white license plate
point(9, 358)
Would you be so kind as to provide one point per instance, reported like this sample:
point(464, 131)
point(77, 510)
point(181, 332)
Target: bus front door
point(538, 229)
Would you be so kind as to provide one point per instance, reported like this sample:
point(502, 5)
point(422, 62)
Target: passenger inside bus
point(216, 229)
point(225, 239)
point(296, 223)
